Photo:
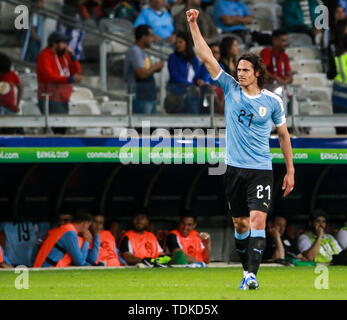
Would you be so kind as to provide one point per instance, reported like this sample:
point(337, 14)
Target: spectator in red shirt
point(57, 69)
point(277, 61)
point(9, 80)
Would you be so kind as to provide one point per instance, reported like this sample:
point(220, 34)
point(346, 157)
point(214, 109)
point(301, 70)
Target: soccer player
point(68, 244)
point(186, 239)
point(250, 112)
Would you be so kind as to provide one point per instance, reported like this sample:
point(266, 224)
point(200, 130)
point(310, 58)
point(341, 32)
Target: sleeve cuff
point(70, 79)
point(217, 77)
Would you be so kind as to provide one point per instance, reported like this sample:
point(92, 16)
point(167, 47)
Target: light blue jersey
point(249, 121)
point(21, 239)
point(161, 22)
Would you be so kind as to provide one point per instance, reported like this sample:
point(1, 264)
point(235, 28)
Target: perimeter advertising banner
point(157, 151)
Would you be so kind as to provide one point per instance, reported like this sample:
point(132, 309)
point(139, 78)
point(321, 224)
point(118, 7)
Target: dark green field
point(174, 284)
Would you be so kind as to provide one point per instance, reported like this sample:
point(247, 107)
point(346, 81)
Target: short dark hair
point(81, 216)
point(188, 214)
point(142, 30)
point(5, 63)
point(278, 33)
point(258, 66)
point(140, 211)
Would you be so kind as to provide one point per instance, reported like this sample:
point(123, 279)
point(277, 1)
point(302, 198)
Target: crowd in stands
point(81, 239)
point(225, 25)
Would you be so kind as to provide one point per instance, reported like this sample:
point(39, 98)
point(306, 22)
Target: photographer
point(57, 69)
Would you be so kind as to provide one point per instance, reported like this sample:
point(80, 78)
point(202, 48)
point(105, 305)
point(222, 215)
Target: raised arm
point(202, 49)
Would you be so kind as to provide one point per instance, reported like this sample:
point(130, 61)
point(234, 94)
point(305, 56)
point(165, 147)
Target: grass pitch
point(279, 283)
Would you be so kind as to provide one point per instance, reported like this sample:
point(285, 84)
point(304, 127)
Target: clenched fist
point(192, 15)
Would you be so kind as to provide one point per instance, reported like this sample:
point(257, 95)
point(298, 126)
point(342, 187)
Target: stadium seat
point(311, 80)
point(120, 27)
point(307, 66)
point(299, 40)
point(28, 79)
point(257, 49)
point(176, 9)
point(263, 25)
point(298, 53)
point(314, 94)
point(114, 107)
point(315, 108)
point(81, 93)
point(266, 10)
point(29, 108)
point(88, 107)
point(7, 15)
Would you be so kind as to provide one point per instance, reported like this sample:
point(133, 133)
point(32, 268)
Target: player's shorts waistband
point(249, 169)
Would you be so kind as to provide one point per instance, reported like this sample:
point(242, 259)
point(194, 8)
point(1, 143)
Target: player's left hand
point(288, 183)
point(204, 236)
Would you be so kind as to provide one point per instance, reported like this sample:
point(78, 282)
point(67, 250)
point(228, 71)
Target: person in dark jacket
point(183, 94)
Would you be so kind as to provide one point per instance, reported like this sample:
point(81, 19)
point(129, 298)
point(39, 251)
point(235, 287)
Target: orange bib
point(191, 245)
point(107, 251)
point(143, 245)
point(1, 257)
point(53, 237)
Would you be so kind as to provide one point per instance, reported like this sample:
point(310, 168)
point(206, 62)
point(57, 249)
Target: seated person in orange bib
point(107, 255)
point(139, 245)
point(186, 245)
point(4, 262)
point(68, 244)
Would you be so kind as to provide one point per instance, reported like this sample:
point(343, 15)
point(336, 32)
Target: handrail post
point(130, 109)
point(103, 67)
point(46, 96)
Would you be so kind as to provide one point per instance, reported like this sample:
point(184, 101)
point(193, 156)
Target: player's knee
point(258, 220)
point(241, 225)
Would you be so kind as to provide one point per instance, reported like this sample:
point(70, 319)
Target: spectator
point(206, 24)
point(19, 240)
point(57, 69)
point(196, 247)
point(278, 244)
point(138, 244)
point(317, 245)
point(232, 16)
point(299, 16)
point(159, 19)
point(33, 36)
point(139, 73)
point(77, 10)
point(342, 237)
point(64, 247)
point(127, 10)
point(9, 83)
point(108, 252)
point(229, 50)
point(329, 37)
point(338, 71)
point(278, 69)
point(208, 85)
point(183, 65)
point(4, 261)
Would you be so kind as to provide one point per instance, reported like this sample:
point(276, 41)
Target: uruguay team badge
point(262, 111)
